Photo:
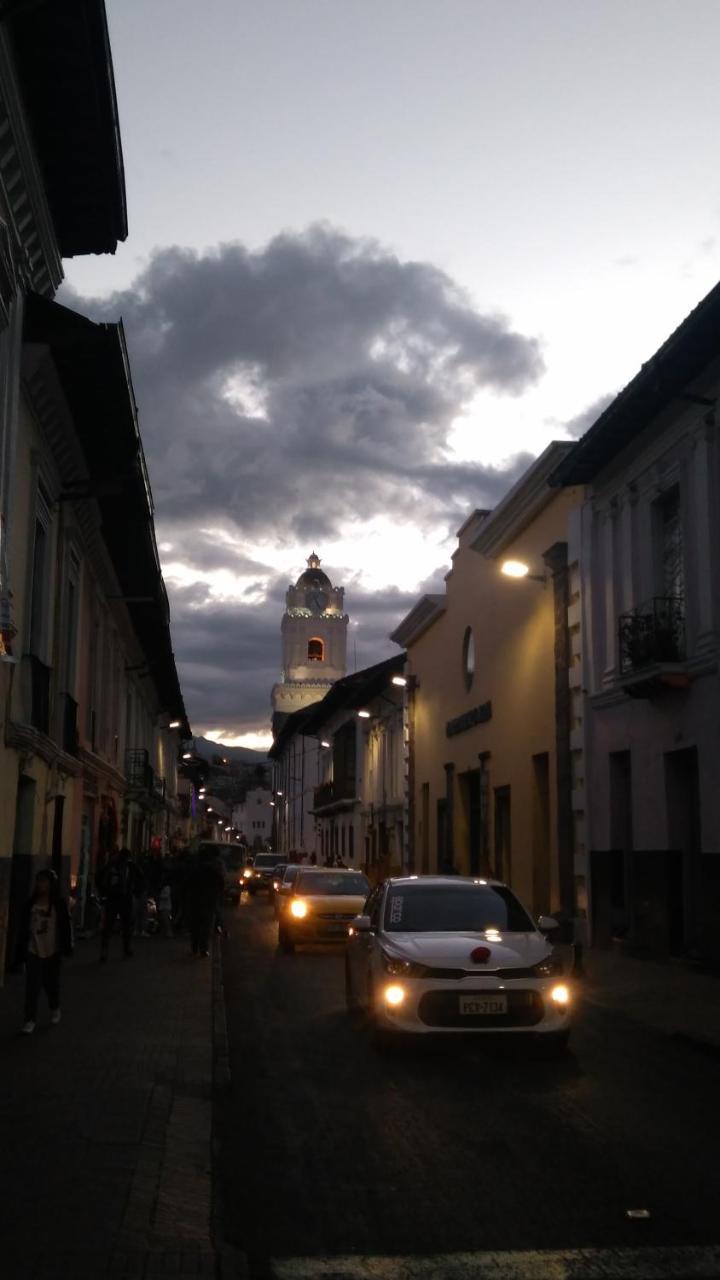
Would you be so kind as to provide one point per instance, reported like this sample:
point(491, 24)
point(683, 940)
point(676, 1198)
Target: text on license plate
point(478, 1006)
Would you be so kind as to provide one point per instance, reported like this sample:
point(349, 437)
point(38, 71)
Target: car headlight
point(401, 968)
point(560, 995)
point(247, 873)
point(393, 995)
point(298, 908)
point(549, 967)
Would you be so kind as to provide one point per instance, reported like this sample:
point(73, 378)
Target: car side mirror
point(362, 924)
point(546, 924)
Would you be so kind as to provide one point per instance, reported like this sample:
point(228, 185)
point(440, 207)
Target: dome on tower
point(313, 576)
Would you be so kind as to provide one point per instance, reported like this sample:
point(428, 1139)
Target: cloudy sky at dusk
point(380, 253)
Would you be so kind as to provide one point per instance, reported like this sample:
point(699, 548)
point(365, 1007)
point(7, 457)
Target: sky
point(381, 252)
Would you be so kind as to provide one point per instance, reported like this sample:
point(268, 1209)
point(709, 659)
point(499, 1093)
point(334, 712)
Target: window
point(316, 650)
point(39, 592)
point(468, 657)
point(671, 572)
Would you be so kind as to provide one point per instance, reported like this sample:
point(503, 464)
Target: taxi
point(321, 906)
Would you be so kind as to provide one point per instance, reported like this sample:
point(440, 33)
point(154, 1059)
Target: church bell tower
point(314, 642)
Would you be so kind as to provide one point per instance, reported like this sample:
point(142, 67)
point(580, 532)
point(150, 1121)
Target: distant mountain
point(243, 755)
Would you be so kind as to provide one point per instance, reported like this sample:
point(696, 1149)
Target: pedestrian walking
point(119, 882)
point(203, 891)
point(45, 937)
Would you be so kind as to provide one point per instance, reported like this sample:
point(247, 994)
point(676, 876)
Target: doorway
point(21, 869)
point(503, 835)
point(682, 798)
point(542, 888)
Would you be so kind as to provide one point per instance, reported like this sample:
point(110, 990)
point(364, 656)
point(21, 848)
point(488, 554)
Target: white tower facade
point(314, 641)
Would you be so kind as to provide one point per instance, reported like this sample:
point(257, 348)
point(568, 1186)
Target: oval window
point(468, 657)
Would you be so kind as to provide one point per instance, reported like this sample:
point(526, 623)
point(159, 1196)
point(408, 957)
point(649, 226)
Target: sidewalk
point(669, 996)
point(106, 1119)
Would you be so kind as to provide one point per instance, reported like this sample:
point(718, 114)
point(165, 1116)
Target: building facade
point(488, 666)
point(314, 642)
point(253, 818)
point(88, 686)
point(650, 556)
point(340, 773)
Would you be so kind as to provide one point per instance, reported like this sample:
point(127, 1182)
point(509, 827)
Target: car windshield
point(454, 909)
point(266, 861)
point(232, 859)
point(333, 884)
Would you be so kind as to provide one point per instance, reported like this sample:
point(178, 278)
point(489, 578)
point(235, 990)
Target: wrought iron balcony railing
point(653, 633)
point(328, 792)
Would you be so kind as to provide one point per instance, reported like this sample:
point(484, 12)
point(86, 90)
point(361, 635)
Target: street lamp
point(175, 724)
point(519, 569)
point(364, 715)
point(324, 744)
point(187, 755)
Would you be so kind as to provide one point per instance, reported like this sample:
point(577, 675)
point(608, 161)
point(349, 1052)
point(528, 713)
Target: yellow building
point(490, 700)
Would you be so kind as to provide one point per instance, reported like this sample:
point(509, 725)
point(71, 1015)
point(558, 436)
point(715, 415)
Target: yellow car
point(323, 903)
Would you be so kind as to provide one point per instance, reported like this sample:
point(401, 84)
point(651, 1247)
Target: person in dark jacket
point(45, 937)
point(119, 882)
point(204, 887)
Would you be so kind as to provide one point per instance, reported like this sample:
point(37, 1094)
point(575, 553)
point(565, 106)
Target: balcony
point(340, 792)
point(651, 646)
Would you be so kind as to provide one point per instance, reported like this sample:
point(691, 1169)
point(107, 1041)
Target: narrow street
point(330, 1149)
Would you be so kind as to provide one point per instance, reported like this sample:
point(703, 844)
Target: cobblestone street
point(106, 1120)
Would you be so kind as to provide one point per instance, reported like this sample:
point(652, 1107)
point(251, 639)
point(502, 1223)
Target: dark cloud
point(283, 391)
point(577, 426)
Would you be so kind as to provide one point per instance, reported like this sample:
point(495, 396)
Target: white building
point(253, 818)
point(340, 773)
point(650, 588)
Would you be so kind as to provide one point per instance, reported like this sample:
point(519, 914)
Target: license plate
point(336, 928)
point(483, 1006)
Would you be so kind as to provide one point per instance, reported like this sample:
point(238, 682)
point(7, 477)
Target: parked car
point(455, 954)
point(262, 873)
point(321, 906)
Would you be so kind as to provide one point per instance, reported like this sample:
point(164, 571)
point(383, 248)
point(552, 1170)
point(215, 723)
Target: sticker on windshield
point(396, 910)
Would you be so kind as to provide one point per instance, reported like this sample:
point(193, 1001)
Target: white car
point(450, 953)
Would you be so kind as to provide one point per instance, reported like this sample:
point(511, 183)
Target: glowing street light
point(400, 681)
point(175, 724)
point(519, 569)
point(364, 715)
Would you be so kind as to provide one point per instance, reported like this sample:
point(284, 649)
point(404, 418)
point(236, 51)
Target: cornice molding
point(420, 618)
point(23, 737)
point(36, 251)
point(527, 498)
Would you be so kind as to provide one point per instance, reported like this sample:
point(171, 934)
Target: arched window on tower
point(316, 650)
